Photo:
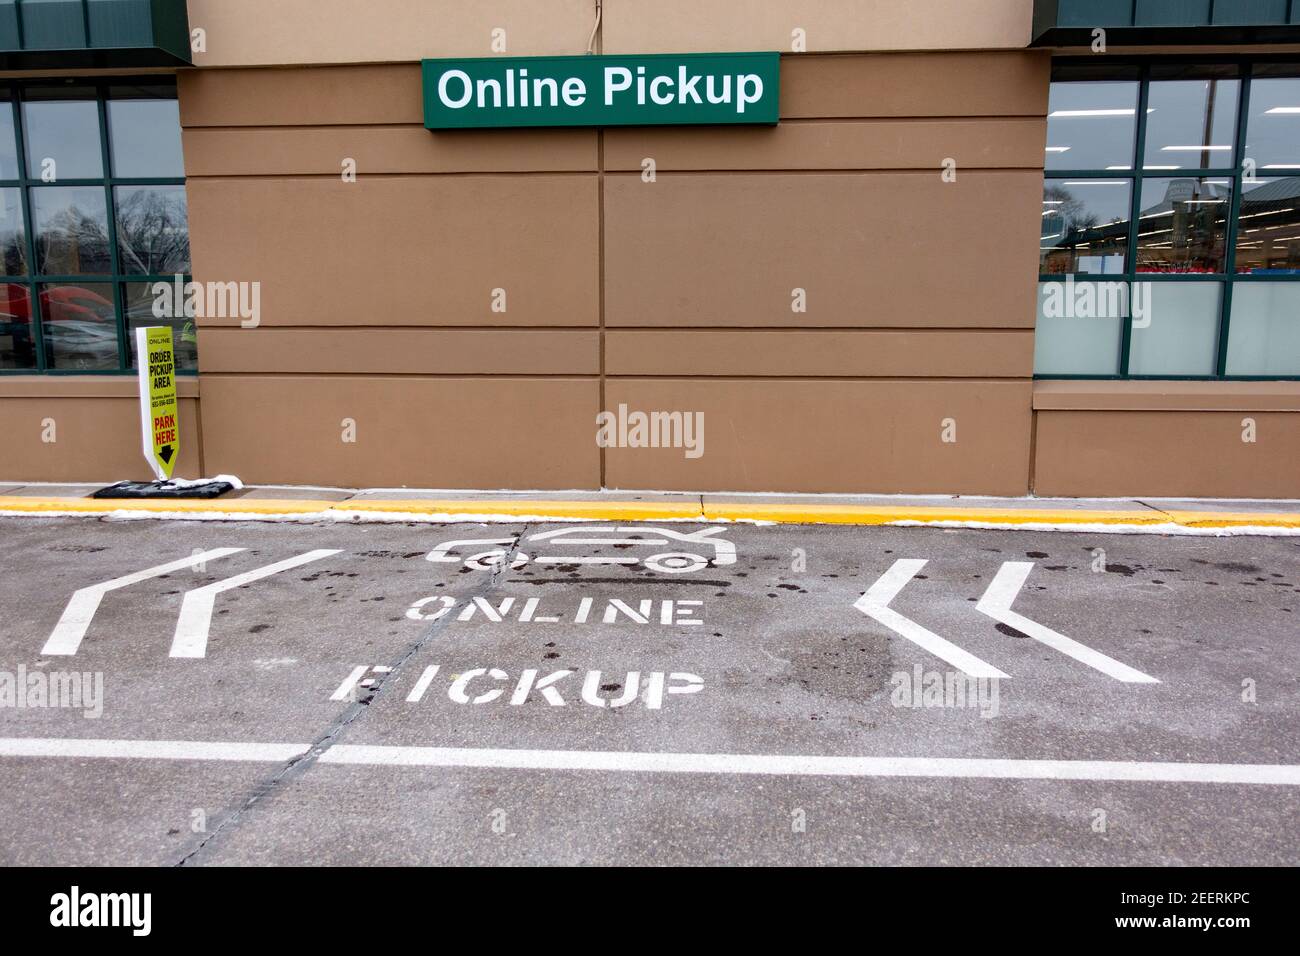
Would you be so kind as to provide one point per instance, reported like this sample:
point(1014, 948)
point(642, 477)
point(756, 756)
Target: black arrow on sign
point(165, 453)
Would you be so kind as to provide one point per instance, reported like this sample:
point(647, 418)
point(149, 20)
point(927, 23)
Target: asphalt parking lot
point(622, 694)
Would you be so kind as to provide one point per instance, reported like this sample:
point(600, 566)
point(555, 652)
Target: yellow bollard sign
point(159, 421)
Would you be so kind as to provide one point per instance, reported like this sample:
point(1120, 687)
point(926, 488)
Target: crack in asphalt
point(295, 767)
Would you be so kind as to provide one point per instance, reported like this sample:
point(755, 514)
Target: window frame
point(1137, 174)
point(25, 182)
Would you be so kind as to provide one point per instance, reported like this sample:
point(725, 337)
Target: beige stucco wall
point(96, 429)
point(278, 32)
point(676, 294)
point(1168, 439)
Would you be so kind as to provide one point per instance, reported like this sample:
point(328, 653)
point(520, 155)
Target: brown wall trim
point(837, 144)
point(858, 86)
point(1167, 396)
point(297, 151)
point(258, 32)
point(87, 386)
point(898, 354)
point(399, 351)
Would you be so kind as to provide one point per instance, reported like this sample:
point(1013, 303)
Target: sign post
point(159, 422)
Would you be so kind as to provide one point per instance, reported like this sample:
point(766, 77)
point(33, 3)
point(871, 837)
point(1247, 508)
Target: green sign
point(651, 90)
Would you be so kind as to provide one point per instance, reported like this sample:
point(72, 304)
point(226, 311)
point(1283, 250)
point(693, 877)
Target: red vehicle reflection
point(81, 321)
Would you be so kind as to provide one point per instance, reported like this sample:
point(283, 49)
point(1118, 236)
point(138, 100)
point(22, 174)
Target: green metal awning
point(77, 34)
point(1166, 22)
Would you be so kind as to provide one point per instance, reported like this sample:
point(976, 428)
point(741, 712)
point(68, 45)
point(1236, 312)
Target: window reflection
point(139, 305)
point(1273, 133)
point(1085, 226)
point(79, 325)
point(1091, 125)
point(153, 232)
point(1191, 124)
point(13, 237)
point(73, 302)
point(144, 132)
point(1268, 229)
point(8, 142)
point(1182, 226)
point(71, 230)
point(17, 349)
point(61, 125)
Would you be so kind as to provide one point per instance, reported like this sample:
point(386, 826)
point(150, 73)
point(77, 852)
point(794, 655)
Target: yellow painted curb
point(587, 510)
point(1235, 519)
point(256, 506)
point(878, 515)
point(862, 515)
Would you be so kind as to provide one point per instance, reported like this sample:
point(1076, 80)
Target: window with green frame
point(1170, 241)
point(92, 217)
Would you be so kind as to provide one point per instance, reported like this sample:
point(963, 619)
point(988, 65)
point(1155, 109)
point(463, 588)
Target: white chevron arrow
point(191, 638)
point(1001, 594)
point(875, 604)
point(71, 629)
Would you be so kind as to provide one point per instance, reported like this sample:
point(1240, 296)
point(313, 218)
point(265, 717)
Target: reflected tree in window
point(153, 230)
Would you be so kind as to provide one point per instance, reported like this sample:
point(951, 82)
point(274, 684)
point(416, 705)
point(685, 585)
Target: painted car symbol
point(718, 552)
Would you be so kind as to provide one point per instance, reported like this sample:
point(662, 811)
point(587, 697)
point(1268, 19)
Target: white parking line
point(1001, 594)
point(191, 638)
point(71, 629)
point(640, 762)
point(149, 749)
point(875, 604)
point(812, 766)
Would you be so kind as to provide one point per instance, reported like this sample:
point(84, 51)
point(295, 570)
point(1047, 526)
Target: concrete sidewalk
point(278, 502)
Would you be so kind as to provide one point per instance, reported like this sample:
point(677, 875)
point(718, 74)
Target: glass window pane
point(1183, 225)
point(13, 236)
point(71, 224)
point(1091, 125)
point(62, 125)
point(153, 234)
point(1175, 328)
point(144, 132)
point(8, 142)
point(79, 324)
point(145, 306)
point(16, 347)
point(1268, 228)
point(1192, 124)
point(1264, 335)
point(1273, 131)
point(1085, 226)
point(1080, 327)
